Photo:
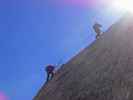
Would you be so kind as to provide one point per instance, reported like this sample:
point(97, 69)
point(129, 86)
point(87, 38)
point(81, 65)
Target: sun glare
point(126, 5)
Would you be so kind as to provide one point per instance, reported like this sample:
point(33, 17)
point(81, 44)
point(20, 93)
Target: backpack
point(50, 68)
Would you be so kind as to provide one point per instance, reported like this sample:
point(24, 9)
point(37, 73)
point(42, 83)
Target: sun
point(125, 5)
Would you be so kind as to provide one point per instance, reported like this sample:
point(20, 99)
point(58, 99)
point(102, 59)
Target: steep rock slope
point(102, 71)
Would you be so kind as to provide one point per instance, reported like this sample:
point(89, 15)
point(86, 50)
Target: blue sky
point(35, 33)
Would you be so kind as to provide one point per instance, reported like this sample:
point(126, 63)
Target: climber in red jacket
point(97, 29)
point(50, 72)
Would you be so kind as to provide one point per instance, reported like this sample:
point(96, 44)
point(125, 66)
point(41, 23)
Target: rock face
point(102, 71)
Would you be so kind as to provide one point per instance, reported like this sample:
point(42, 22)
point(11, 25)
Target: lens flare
point(75, 3)
point(3, 96)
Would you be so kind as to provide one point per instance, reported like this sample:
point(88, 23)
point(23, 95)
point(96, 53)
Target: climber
point(97, 29)
point(50, 72)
